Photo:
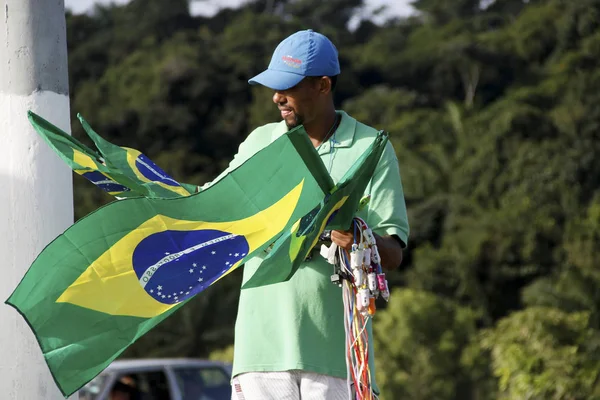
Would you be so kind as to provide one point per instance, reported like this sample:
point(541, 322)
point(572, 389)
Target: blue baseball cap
point(305, 53)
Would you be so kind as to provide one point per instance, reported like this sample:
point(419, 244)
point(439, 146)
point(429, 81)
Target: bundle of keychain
point(359, 274)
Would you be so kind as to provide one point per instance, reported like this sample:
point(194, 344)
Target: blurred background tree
point(492, 108)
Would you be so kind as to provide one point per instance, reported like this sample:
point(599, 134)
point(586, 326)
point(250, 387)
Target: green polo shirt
point(299, 324)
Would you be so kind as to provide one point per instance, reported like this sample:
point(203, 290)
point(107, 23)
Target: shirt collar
point(343, 136)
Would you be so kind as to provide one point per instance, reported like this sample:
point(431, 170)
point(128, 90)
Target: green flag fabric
point(120, 171)
point(116, 273)
point(138, 167)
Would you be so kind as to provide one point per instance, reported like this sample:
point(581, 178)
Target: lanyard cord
point(333, 141)
point(332, 129)
point(331, 148)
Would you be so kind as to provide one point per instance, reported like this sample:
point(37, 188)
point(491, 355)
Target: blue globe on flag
point(173, 266)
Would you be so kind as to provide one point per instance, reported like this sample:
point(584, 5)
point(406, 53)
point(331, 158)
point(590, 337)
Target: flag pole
point(36, 195)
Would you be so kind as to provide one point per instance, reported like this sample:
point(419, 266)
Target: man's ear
point(325, 85)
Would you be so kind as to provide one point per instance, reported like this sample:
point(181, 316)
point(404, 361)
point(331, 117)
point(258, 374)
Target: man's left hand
point(344, 239)
point(389, 248)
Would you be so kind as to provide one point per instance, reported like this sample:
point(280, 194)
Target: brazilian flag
point(335, 211)
point(120, 171)
point(118, 272)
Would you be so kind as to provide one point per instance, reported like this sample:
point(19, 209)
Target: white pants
point(288, 385)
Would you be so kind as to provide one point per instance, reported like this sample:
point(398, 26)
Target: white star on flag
point(200, 279)
point(191, 270)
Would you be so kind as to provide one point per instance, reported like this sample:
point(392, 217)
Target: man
point(124, 389)
point(289, 337)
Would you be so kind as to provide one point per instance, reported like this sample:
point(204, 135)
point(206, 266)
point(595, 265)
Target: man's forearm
point(390, 251)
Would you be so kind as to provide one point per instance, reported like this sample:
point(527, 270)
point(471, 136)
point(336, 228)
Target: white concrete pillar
point(36, 195)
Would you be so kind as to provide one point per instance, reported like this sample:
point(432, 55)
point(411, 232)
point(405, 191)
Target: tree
point(419, 340)
point(441, 12)
point(544, 353)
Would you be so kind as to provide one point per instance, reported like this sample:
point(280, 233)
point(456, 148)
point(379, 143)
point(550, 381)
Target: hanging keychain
point(362, 280)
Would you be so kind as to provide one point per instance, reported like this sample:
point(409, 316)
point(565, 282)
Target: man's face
point(298, 104)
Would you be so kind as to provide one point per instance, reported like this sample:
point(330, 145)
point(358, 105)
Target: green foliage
point(419, 339)
point(224, 355)
point(544, 353)
point(492, 108)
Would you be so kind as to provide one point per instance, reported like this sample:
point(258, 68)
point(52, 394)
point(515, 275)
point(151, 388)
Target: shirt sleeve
point(386, 211)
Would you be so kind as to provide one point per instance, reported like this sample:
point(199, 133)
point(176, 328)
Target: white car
point(161, 379)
